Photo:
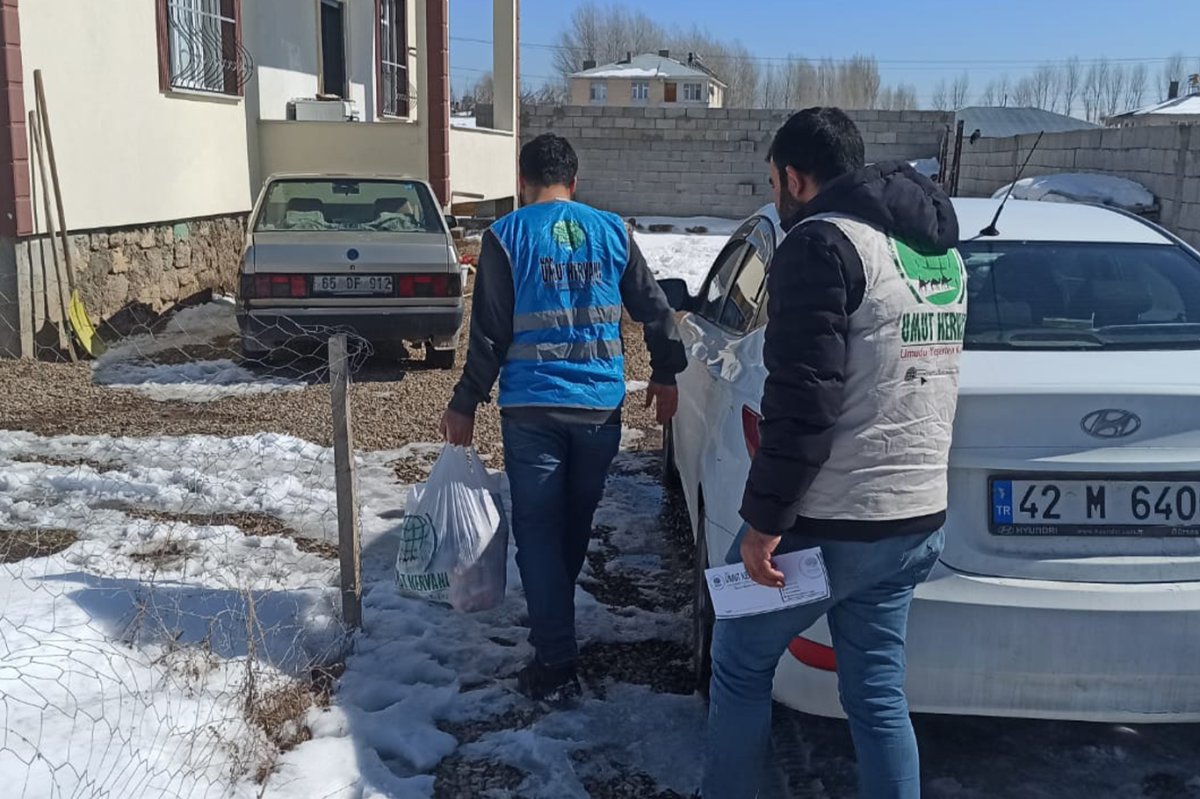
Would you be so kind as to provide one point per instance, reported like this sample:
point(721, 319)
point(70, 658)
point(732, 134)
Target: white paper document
point(734, 594)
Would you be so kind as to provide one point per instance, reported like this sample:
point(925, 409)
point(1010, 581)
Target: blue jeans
point(556, 475)
point(871, 586)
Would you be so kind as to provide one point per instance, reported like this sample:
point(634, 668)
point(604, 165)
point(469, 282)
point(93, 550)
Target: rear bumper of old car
point(271, 328)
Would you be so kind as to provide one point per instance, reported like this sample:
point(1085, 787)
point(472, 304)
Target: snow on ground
point(1083, 187)
point(136, 364)
point(929, 167)
point(679, 254)
point(463, 122)
point(125, 658)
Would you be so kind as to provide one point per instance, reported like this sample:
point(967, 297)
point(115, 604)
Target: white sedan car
point(1070, 583)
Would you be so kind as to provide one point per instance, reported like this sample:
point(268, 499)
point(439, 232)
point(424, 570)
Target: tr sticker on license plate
point(1095, 507)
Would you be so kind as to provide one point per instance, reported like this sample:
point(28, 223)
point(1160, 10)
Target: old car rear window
point(1077, 295)
point(381, 206)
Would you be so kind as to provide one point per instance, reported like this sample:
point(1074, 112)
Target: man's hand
point(665, 399)
point(757, 549)
point(458, 429)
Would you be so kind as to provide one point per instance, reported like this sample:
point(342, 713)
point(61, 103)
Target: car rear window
point(381, 206)
point(1062, 296)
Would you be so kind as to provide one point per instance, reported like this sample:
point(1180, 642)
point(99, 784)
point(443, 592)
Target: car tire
point(253, 352)
point(703, 618)
point(671, 480)
point(440, 359)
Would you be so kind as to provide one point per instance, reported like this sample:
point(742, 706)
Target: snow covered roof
point(1189, 104)
point(999, 123)
point(647, 66)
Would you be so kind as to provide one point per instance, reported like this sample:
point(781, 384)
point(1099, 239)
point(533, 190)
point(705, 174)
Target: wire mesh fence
point(169, 603)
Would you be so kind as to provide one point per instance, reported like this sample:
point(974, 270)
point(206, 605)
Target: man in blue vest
point(551, 282)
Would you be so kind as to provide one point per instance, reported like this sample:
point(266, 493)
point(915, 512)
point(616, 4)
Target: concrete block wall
point(702, 161)
point(1165, 159)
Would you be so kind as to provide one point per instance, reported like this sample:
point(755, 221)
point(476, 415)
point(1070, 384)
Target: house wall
point(127, 153)
point(491, 156)
point(702, 161)
point(620, 93)
point(395, 148)
point(1165, 159)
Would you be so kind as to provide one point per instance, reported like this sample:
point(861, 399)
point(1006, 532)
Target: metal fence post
point(346, 482)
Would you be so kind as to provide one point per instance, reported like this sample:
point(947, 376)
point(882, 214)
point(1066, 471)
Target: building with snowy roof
point(649, 80)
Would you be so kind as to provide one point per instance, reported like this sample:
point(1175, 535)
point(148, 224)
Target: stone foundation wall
point(158, 266)
point(126, 276)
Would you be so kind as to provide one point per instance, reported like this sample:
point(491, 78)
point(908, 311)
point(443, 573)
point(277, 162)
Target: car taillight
point(750, 420)
point(287, 287)
point(428, 286)
point(812, 654)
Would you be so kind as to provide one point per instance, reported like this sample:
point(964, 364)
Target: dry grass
point(161, 554)
point(261, 524)
point(25, 543)
point(280, 713)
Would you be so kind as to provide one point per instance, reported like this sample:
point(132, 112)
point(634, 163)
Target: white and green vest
point(891, 443)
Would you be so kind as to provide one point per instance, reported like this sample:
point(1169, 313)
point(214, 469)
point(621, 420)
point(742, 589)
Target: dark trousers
point(556, 474)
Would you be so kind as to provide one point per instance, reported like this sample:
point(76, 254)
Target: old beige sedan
point(366, 255)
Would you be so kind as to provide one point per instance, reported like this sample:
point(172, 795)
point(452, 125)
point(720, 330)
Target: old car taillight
point(428, 285)
point(288, 287)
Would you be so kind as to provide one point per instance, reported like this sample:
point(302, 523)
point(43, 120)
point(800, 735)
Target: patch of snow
point(714, 225)
point(634, 386)
point(929, 167)
point(126, 676)
point(130, 365)
point(630, 72)
point(1083, 187)
point(688, 256)
point(463, 122)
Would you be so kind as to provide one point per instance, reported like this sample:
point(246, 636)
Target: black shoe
point(557, 685)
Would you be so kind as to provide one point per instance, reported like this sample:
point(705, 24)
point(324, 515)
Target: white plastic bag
point(454, 539)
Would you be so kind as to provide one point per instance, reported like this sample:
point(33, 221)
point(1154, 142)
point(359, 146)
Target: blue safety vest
point(567, 263)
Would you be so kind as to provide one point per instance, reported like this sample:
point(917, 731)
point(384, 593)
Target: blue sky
point(965, 34)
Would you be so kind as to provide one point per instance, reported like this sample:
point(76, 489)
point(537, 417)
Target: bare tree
point(1114, 89)
point(1174, 69)
point(959, 91)
point(941, 96)
point(1023, 93)
point(988, 96)
point(1042, 85)
point(1092, 92)
point(484, 89)
point(1003, 89)
point(1072, 80)
point(1135, 89)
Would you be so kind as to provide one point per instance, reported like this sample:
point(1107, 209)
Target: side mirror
point(451, 221)
point(678, 296)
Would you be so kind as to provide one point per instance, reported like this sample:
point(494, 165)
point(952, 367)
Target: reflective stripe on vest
point(567, 263)
point(566, 317)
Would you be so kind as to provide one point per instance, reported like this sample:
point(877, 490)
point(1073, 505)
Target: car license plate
point(1122, 507)
point(354, 285)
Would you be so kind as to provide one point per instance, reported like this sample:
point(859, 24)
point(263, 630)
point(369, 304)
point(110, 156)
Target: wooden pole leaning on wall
point(60, 278)
point(346, 482)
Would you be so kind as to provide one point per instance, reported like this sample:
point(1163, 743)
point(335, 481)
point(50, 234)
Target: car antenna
point(992, 230)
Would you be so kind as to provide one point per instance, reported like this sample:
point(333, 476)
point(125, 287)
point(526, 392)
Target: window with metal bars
point(392, 67)
point(200, 46)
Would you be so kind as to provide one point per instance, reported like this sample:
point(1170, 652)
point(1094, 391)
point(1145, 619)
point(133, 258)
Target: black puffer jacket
point(816, 282)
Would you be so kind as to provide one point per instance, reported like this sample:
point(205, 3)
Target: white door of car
point(723, 339)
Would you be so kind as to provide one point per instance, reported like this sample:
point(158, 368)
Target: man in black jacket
point(867, 304)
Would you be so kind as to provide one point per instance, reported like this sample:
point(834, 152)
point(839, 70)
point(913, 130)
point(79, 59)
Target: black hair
point(822, 142)
point(549, 160)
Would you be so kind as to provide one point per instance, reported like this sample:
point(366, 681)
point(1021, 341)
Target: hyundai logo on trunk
point(1111, 423)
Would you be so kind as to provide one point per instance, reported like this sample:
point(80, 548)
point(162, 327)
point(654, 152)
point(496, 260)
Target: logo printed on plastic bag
point(418, 540)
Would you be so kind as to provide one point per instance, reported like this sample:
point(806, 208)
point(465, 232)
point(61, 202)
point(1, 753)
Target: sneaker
point(557, 685)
